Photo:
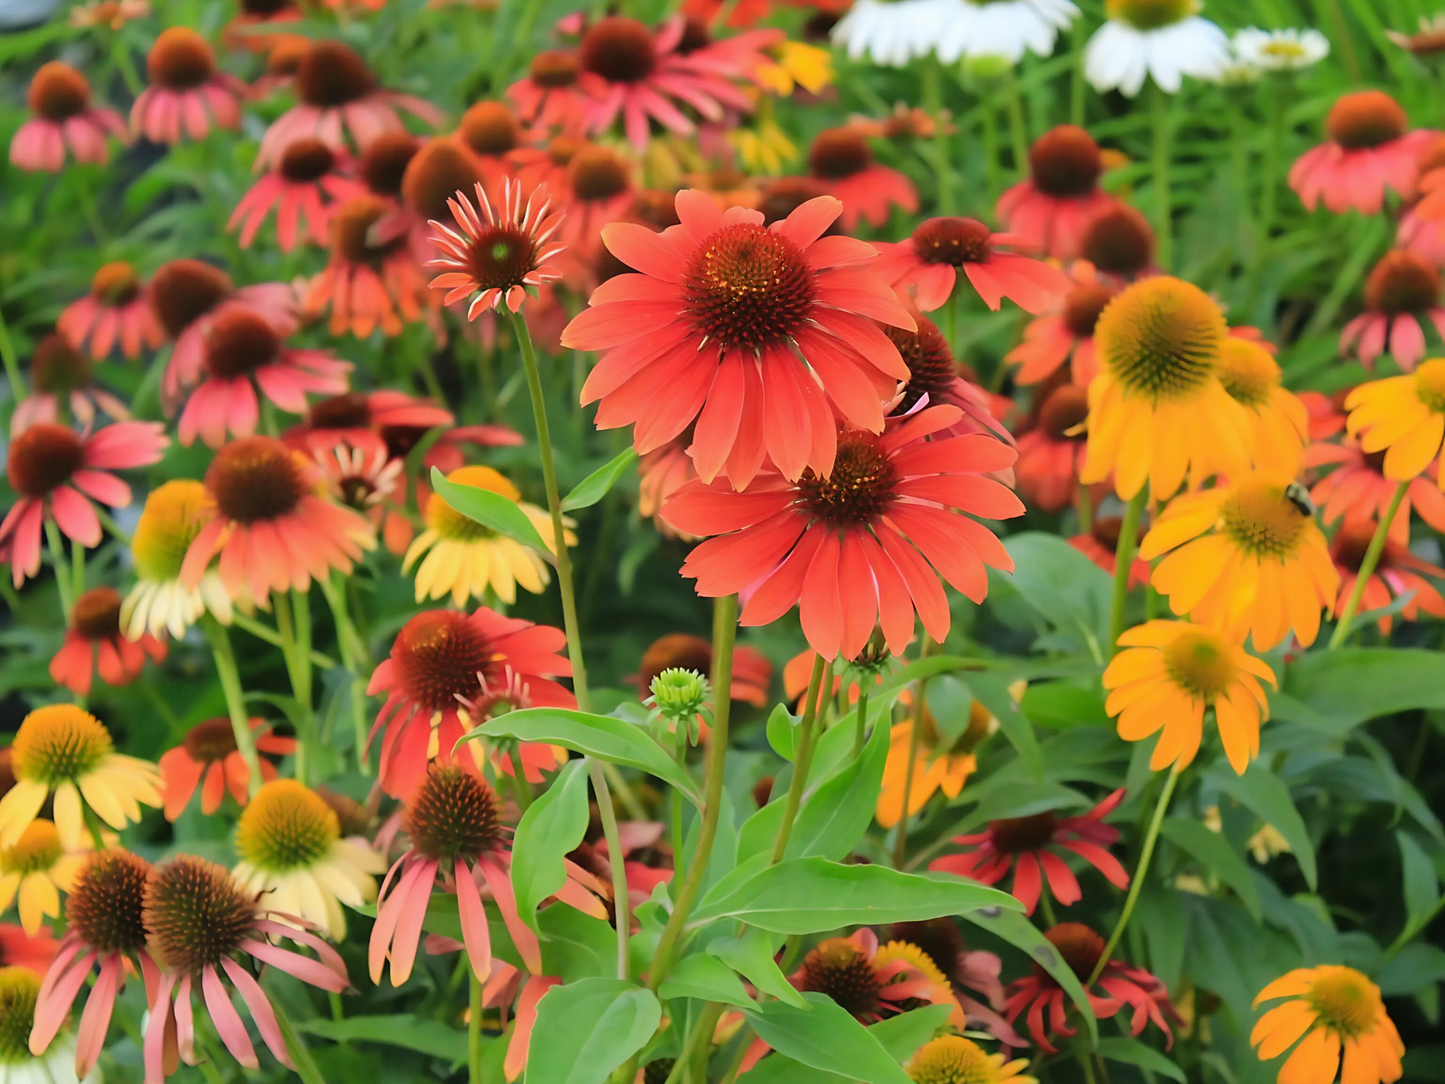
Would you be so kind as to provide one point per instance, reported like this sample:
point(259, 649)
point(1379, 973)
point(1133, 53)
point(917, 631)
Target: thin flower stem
point(77, 566)
point(725, 627)
point(474, 1028)
point(1124, 551)
point(12, 363)
point(702, 1029)
point(1367, 568)
point(1046, 905)
point(615, 862)
point(1018, 130)
point(933, 105)
point(1085, 509)
point(235, 700)
point(900, 840)
point(554, 505)
point(861, 726)
point(1269, 191)
point(288, 624)
point(1163, 204)
point(1076, 77)
point(63, 578)
point(802, 753)
point(301, 1057)
point(1136, 885)
point(1086, 1063)
point(358, 661)
point(120, 53)
point(272, 637)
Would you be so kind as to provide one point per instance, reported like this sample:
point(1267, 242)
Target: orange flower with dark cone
point(185, 85)
point(1051, 453)
point(492, 255)
point(1422, 226)
point(62, 118)
point(1368, 151)
point(383, 162)
point(1398, 573)
point(1101, 545)
point(872, 981)
point(115, 311)
point(441, 167)
point(305, 186)
point(1331, 1011)
point(94, 641)
point(752, 672)
point(371, 279)
point(1052, 206)
point(63, 380)
point(927, 265)
point(596, 188)
point(780, 197)
point(490, 132)
point(842, 162)
point(1356, 490)
point(550, 96)
point(1064, 333)
point(1401, 289)
point(1118, 243)
point(208, 758)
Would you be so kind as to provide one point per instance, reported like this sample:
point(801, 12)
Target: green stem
point(116, 531)
point(861, 726)
point(1086, 509)
point(1364, 246)
point(1367, 568)
point(990, 150)
point(1046, 905)
point(900, 839)
point(1163, 206)
point(120, 53)
point(1269, 193)
point(615, 861)
point(77, 566)
point(12, 363)
point(63, 577)
point(1076, 77)
point(697, 1037)
point(1018, 130)
point(358, 661)
point(933, 105)
point(235, 699)
point(554, 505)
point(1150, 838)
point(802, 753)
point(474, 1028)
point(676, 797)
point(1124, 560)
point(1085, 1062)
point(296, 1047)
point(272, 637)
point(288, 624)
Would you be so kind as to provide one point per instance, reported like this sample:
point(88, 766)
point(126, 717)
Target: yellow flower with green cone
point(35, 869)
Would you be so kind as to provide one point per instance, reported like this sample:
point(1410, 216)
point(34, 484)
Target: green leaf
point(574, 945)
point(991, 690)
point(1421, 885)
point(1268, 795)
point(812, 895)
point(835, 816)
point(490, 510)
point(706, 978)
point(825, 1036)
point(1021, 933)
point(417, 1033)
point(585, 1030)
point(1214, 851)
point(751, 956)
point(600, 736)
point(1335, 691)
point(1133, 1052)
point(782, 730)
point(900, 1035)
point(1066, 588)
point(595, 486)
point(551, 829)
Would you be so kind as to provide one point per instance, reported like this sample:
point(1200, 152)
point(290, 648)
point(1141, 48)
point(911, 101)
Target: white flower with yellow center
point(1158, 39)
point(174, 514)
point(1005, 29)
point(19, 990)
point(891, 32)
point(37, 868)
point(64, 753)
point(465, 557)
point(291, 850)
point(1279, 50)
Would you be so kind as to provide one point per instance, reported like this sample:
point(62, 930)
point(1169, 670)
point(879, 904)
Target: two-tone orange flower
point(1331, 1011)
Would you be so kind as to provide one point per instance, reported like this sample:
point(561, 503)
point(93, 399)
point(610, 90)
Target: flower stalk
point(803, 753)
point(1124, 551)
point(1367, 568)
point(235, 700)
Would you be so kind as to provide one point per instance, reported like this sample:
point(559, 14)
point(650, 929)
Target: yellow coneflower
point(952, 1059)
point(1332, 1010)
point(1247, 558)
point(1278, 419)
point(796, 64)
point(466, 557)
point(1170, 673)
point(937, 764)
point(174, 514)
point(64, 753)
point(37, 868)
point(1402, 416)
point(1158, 411)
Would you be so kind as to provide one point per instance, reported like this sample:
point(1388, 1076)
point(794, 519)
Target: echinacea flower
point(186, 88)
point(20, 949)
point(1001, 30)
point(1335, 1011)
point(436, 668)
point(207, 758)
point(966, 969)
point(757, 334)
point(1398, 573)
point(174, 514)
point(939, 763)
point(927, 266)
point(489, 132)
point(841, 160)
point(1157, 39)
point(1368, 150)
point(34, 870)
point(94, 641)
point(1422, 225)
point(1170, 673)
point(361, 473)
point(62, 118)
point(493, 255)
point(62, 380)
point(1051, 453)
point(596, 187)
point(116, 310)
point(1101, 545)
point(272, 529)
point(845, 547)
point(952, 1059)
point(293, 856)
point(1357, 491)
point(891, 32)
point(1402, 416)
point(441, 167)
point(371, 279)
point(1425, 42)
point(872, 981)
point(56, 472)
point(550, 97)
point(1287, 50)
point(1279, 420)
point(661, 473)
point(932, 372)
point(1064, 332)
point(304, 188)
point(752, 672)
point(66, 755)
point(1118, 243)
point(19, 989)
point(1050, 208)
point(202, 925)
point(1400, 289)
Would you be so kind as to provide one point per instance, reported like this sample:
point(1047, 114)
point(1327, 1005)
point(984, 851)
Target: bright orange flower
point(1402, 416)
point(207, 758)
point(1336, 1010)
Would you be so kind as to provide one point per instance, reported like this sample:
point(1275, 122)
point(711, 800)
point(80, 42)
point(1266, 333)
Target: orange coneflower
point(1398, 573)
point(63, 379)
point(1401, 288)
point(1336, 1010)
point(185, 85)
point(1368, 151)
point(939, 763)
point(1064, 332)
point(383, 162)
point(489, 131)
point(752, 672)
point(1051, 453)
point(1402, 416)
point(63, 119)
point(1279, 420)
point(842, 162)
point(1118, 243)
point(209, 759)
point(116, 310)
point(371, 279)
point(95, 631)
point(19, 949)
point(596, 188)
point(441, 167)
point(550, 96)
point(1052, 206)
point(305, 186)
point(495, 254)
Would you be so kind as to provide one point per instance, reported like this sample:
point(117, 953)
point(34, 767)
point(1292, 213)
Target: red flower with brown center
point(932, 372)
point(928, 264)
point(371, 279)
point(1119, 242)
point(208, 758)
point(1368, 151)
point(492, 256)
point(304, 188)
point(1052, 206)
point(1101, 545)
point(62, 378)
point(841, 161)
point(62, 118)
point(1064, 333)
point(115, 311)
point(551, 95)
point(383, 163)
point(1051, 453)
point(95, 631)
point(185, 84)
point(1400, 289)
point(1398, 574)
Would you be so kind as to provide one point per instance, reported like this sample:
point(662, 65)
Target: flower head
point(95, 630)
point(1065, 332)
point(1398, 573)
point(1050, 209)
point(116, 310)
point(1337, 1011)
point(1051, 453)
point(371, 279)
point(842, 162)
point(1425, 42)
point(496, 256)
point(939, 762)
point(1402, 416)
point(933, 372)
point(304, 186)
point(185, 84)
point(871, 981)
point(1280, 422)
point(174, 514)
point(36, 868)
point(64, 378)
point(1162, 40)
point(550, 97)
point(1286, 50)
point(62, 118)
point(208, 758)
point(1400, 289)
point(1368, 150)
point(952, 1059)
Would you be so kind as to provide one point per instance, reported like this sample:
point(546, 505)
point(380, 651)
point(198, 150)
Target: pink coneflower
point(95, 633)
point(928, 263)
point(1398, 573)
point(490, 132)
point(509, 984)
point(245, 351)
point(57, 472)
point(1368, 151)
point(272, 529)
point(1053, 205)
point(1064, 333)
point(336, 89)
point(842, 162)
point(661, 473)
point(595, 189)
point(371, 279)
point(550, 97)
point(186, 86)
point(62, 378)
point(208, 759)
point(115, 311)
point(756, 333)
point(1051, 453)
point(308, 175)
point(494, 255)
point(1401, 288)
point(441, 167)
point(1357, 491)
point(973, 969)
point(62, 118)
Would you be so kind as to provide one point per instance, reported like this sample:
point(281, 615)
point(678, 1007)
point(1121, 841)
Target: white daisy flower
point(1280, 50)
point(1158, 39)
point(892, 33)
point(174, 514)
point(1001, 28)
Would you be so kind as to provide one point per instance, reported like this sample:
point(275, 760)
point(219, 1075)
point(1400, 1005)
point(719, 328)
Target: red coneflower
point(1368, 151)
point(185, 86)
point(550, 97)
point(1052, 206)
point(1022, 844)
point(95, 630)
point(661, 473)
point(842, 162)
point(596, 188)
point(1358, 491)
point(383, 162)
point(1051, 453)
point(932, 372)
point(1101, 545)
point(115, 311)
point(928, 263)
point(298, 188)
point(509, 984)
point(757, 333)
point(1401, 288)
point(371, 276)
point(57, 472)
point(273, 530)
point(845, 546)
point(61, 379)
point(436, 668)
point(871, 981)
point(1065, 333)
point(752, 672)
point(441, 167)
point(1422, 226)
point(208, 758)
point(1118, 243)
point(1398, 572)
point(335, 90)
point(939, 939)
point(243, 31)
point(494, 255)
point(62, 118)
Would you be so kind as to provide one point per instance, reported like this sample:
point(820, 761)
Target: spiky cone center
point(265, 9)
point(562, 149)
point(384, 161)
point(1118, 240)
point(676, 650)
point(255, 479)
point(1200, 662)
point(196, 913)
point(333, 74)
point(785, 195)
point(1079, 946)
point(238, 342)
point(1150, 14)
point(695, 36)
point(1065, 162)
point(954, 241)
point(500, 256)
point(436, 174)
point(173, 515)
point(116, 283)
point(1247, 372)
point(351, 230)
point(1402, 282)
point(58, 92)
point(1064, 411)
point(597, 174)
point(748, 286)
point(839, 152)
point(1262, 521)
point(438, 655)
point(619, 49)
point(19, 991)
point(952, 1059)
point(180, 59)
point(859, 488)
point(839, 969)
point(43, 457)
point(60, 743)
point(1345, 1000)
point(931, 369)
point(449, 523)
point(306, 159)
point(1365, 118)
point(96, 614)
point(554, 68)
point(1352, 541)
point(491, 128)
point(1017, 835)
point(1429, 385)
point(107, 901)
point(286, 826)
point(183, 291)
point(452, 815)
point(1161, 338)
point(210, 741)
point(36, 851)
point(57, 368)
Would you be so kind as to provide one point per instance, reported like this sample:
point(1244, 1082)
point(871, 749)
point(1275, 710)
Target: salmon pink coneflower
point(116, 310)
point(1118, 243)
point(842, 162)
point(490, 132)
point(1398, 574)
point(209, 759)
point(1357, 491)
point(308, 175)
point(1401, 288)
point(63, 118)
point(383, 162)
point(1368, 151)
point(1050, 209)
point(757, 334)
point(63, 379)
point(551, 96)
point(596, 188)
point(441, 167)
point(95, 632)
point(493, 255)
point(1065, 332)
point(1051, 453)
point(185, 86)
point(844, 547)
point(371, 279)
